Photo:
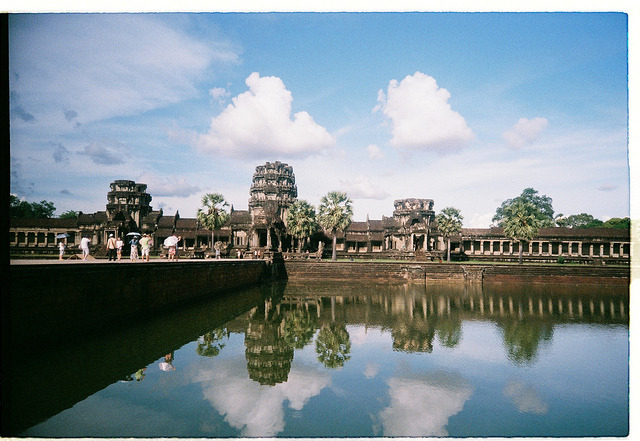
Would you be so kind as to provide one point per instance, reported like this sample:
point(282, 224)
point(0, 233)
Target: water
point(342, 360)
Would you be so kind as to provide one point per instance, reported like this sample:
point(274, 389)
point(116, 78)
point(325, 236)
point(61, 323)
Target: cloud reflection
point(256, 410)
point(525, 397)
point(423, 406)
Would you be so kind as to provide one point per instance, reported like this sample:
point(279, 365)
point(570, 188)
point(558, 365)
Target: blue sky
point(467, 109)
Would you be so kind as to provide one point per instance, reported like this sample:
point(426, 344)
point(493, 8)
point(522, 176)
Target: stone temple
point(410, 233)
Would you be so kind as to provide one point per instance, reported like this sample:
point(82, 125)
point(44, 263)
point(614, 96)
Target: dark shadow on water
point(44, 381)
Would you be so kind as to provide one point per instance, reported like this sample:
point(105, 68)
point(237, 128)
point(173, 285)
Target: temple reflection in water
point(416, 316)
point(424, 360)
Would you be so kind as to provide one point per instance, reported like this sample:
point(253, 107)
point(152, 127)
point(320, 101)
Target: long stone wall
point(425, 272)
point(53, 301)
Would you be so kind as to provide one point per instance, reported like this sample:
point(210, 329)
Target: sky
point(467, 109)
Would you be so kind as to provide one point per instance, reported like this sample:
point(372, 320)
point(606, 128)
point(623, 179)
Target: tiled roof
point(94, 218)
point(239, 217)
point(43, 223)
point(356, 226)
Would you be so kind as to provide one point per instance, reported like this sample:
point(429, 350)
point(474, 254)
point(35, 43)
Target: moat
point(342, 359)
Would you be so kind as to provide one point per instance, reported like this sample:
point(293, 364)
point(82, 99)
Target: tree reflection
point(449, 331)
point(522, 338)
point(413, 337)
point(298, 328)
point(333, 345)
point(210, 344)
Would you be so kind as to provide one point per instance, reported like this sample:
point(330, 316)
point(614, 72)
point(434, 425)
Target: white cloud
point(103, 65)
point(421, 115)
point(374, 152)
point(422, 407)
point(254, 409)
point(371, 370)
point(479, 220)
point(258, 124)
point(167, 185)
point(525, 131)
point(362, 188)
point(607, 187)
point(101, 154)
point(219, 94)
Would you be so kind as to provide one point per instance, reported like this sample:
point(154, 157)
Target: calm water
point(340, 360)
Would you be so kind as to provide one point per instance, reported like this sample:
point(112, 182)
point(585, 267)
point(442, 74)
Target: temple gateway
point(411, 232)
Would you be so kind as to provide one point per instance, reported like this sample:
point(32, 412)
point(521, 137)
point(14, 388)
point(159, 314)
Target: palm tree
point(301, 221)
point(212, 214)
point(521, 223)
point(335, 214)
point(449, 223)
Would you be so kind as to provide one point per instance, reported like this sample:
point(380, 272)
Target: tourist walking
point(134, 248)
point(62, 247)
point(84, 246)
point(111, 248)
point(119, 245)
point(145, 245)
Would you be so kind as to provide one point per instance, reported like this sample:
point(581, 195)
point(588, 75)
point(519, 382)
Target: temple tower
point(130, 199)
point(414, 219)
point(273, 190)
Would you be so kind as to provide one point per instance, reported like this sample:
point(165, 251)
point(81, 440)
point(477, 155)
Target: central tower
point(273, 190)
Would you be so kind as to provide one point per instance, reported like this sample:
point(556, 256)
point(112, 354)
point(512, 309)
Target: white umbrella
point(62, 236)
point(171, 241)
point(133, 233)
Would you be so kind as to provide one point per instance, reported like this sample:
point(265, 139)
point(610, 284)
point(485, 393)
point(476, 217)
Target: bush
point(560, 259)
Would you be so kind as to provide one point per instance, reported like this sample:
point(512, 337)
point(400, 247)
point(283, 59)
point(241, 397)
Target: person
point(173, 249)
point(167, 363)
point(62, 247)
point(217, 253)
point(84, 245)
point(145, 244)
point(134, 248)
point(119, 245)
point(111, 248)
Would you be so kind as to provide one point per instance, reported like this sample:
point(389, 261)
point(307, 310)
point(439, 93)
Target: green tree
point(543, 205)
point(30, 210)
point(616, 222)
point(333, 345)
point(449, 224)
point(212, 214)
point(69, 214)
point(335, 213)
point(301, 221)
point(582, 220)
point(521, 223)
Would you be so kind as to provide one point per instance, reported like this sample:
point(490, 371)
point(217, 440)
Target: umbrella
point(133, 233)
point(171, 241)
point(62, 236)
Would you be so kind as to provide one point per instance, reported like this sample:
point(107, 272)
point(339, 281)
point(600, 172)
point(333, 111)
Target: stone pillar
point(510, 247)
point(591, 250)
point(473, 246)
